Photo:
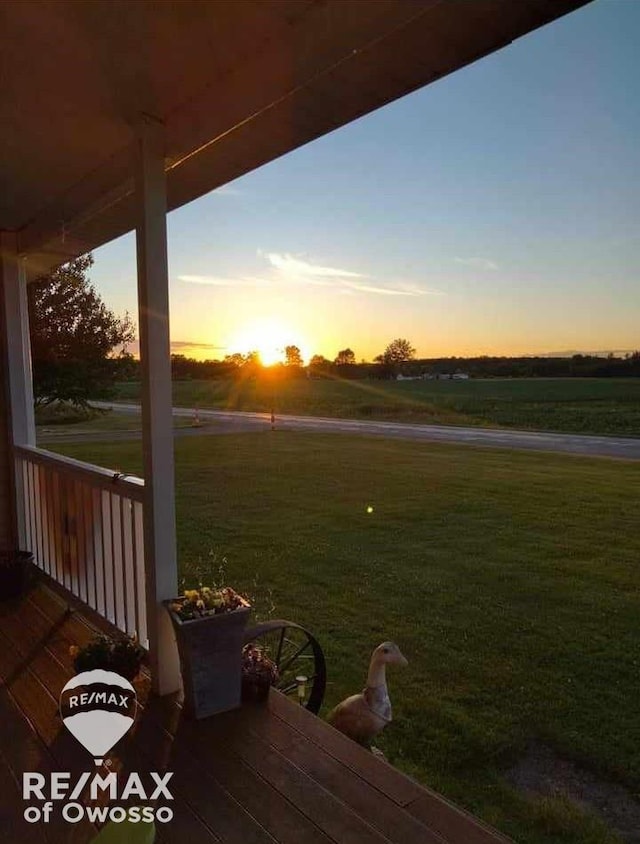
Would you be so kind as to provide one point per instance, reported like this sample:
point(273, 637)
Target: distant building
point(460, 376)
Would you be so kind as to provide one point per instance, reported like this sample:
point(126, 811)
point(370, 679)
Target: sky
point(496, 211)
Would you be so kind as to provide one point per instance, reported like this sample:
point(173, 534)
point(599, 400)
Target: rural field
point(509, 580)
point(571, 405)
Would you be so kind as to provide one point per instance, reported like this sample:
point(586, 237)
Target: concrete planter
point(210, 650)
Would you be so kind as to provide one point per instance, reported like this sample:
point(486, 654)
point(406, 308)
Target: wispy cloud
point(224, 281)
point(477, 263)
point(382, 291)
point(305, 271)
point(179, 345)
point(291, 271)
point(298, 271)
point(399, 289)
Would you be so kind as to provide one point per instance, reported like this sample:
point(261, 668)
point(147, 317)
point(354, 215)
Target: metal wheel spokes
point(299, 659)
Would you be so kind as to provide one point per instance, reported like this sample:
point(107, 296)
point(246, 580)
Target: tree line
point(79, 351)
point(578, 366)
point(343, 365)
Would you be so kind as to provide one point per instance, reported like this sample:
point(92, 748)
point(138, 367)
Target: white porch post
point(153, 312)
point(18, 351)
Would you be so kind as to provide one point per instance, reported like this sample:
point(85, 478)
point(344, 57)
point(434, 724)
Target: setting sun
point(268, 337)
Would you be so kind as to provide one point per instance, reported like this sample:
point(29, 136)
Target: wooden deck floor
point(260, 775)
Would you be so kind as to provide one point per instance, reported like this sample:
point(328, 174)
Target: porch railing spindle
point(84, 526)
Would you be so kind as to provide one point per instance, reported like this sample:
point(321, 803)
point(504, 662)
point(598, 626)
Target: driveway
point(227, 421)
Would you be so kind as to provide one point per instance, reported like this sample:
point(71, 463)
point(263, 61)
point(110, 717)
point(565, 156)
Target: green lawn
point(107, 422)
point(578, 405)
point(509, 580)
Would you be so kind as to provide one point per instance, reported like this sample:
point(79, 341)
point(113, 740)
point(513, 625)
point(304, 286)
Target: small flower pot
point(15, 569)
point(122, 655)
point(210, 650)
point(255, 689)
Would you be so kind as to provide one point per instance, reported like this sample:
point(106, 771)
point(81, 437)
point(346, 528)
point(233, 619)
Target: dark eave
point(237, 84)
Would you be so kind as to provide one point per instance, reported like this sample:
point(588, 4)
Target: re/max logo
point(35, 786)
point(99, 698)
point(58, 787)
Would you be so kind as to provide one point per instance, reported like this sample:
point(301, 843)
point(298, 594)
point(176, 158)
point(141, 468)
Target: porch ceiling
point(236, 82)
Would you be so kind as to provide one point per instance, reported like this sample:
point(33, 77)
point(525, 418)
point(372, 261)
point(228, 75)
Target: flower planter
point(15, 568)
point(210, 650)
point(255, 690)
point(121, 655)
point(259, 673)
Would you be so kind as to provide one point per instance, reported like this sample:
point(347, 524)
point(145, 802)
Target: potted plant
point(209, 626)
point(122, 655)
point(259, 673)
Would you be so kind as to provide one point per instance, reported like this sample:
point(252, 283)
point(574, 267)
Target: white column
point(153, 311)
point(16, 313)
point(18, 351)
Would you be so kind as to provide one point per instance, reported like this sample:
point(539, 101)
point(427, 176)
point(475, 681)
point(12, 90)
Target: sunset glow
point(268, 337)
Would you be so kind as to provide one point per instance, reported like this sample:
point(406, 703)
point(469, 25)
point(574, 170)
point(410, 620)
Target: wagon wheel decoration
point(298, 657)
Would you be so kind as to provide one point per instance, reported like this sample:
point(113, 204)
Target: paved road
point(230, 421)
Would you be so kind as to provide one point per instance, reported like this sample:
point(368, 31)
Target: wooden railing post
point(157, 425)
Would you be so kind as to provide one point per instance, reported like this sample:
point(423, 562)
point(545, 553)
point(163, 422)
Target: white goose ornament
point(363, 716)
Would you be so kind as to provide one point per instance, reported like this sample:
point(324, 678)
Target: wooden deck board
point(400, 788)
point(247, 736)
point(370, 803)
point(260, 775)
point(40, 705)
point(240, 814)
point(12, 825)
point(24, 752)
point(453, 824)
point(420, 801)
point(323, 807)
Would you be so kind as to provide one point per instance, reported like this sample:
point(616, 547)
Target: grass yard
point(509, 580)
point(573, 405)
point(50, 427)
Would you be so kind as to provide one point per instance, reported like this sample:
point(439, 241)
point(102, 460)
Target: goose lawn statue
point(363, 716)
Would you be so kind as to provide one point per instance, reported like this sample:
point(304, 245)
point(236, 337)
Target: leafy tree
point(236, 359)
point(345, 357)
point(73, 337)
point(319, 366)
point(320, 362)
point(252, 361)
point(244, 366)
point(398, 351)
point(292, 356)
point(126, 367)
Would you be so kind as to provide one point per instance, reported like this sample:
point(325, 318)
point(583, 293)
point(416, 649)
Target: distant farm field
point(572, 405)
point(510, 580)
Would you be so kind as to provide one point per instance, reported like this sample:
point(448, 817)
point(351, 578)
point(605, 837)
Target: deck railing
point(84, 525)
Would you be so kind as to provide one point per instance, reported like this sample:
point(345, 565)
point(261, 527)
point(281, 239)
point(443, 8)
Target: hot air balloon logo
point(98, 707)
